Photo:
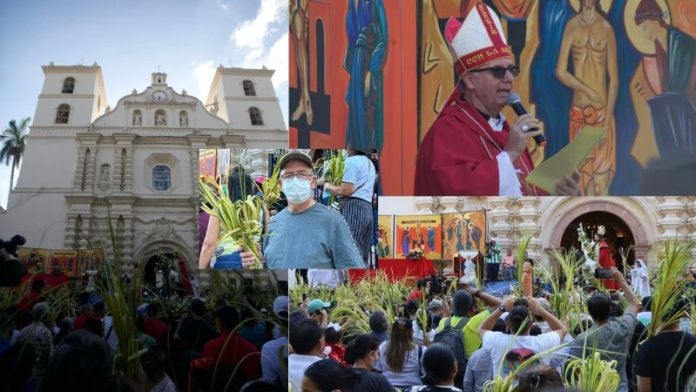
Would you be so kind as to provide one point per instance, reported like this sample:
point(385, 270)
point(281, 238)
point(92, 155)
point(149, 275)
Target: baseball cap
point(435, 304)
point(280, 307)
point(316, 305)
point(295, 156)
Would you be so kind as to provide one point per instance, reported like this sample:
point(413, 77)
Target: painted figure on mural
point(672, 77)
point(460, 243)
point(366, 26)
point(675, 51)
point(431, 239)
point(299, 26)
point(589, 40)
point(436, 72)
point(383, 243)
point(406, 241)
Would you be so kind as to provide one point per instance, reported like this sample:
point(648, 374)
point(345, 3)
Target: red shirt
point(338, 352)
point(236, 350)
point(80, 322)
point(156, 329)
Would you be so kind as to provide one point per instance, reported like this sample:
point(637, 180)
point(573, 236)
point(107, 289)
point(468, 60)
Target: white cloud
point(251, 34)
point(203, 72)
point(223, 6)
point(277, 58)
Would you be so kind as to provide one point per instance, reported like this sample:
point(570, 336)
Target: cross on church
point(158, 67)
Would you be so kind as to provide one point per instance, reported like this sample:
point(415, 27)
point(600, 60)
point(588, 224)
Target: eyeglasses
point(302, 175)
point(500, 72)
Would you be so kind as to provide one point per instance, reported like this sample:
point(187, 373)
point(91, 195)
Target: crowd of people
point(65, 339)
point(463, 338)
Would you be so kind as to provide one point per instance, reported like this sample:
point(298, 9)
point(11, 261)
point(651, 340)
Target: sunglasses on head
point(499, 72)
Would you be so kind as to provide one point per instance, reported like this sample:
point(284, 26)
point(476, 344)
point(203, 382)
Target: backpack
point(452, 338)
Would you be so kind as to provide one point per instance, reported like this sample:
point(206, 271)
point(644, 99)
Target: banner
point(385, 237)
point(206, 162)
point(34, 259)
point(419, 233)
point(64, 260)
point(463, 232)
point(223, 162)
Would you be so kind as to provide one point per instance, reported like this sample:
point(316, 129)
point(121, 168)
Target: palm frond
point(670, 284)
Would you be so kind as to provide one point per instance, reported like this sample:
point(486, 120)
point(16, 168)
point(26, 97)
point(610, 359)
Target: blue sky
point(130, 39)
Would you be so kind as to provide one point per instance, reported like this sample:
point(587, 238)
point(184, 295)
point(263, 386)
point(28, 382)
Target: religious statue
point(605, 259)
point(469, 276)
point(589, 40)
point(137, 118)
point(588, 259)
point(183, 119)
point(159, 119)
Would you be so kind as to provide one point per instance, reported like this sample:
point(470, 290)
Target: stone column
point(530, 215)
point(196, 142)
point(122, 178)
point(671, 217)
point(500, 219)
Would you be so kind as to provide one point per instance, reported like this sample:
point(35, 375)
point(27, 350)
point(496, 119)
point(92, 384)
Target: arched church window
point(68, 85)
point(63, 114)
point(161, 178)
point(255, 116)
point(249, 89)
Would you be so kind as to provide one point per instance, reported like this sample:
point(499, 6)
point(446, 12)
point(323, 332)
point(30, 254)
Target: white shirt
point(297, 364)
point(499, 344)
point(508, 183)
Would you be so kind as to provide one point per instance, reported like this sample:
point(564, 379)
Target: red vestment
point(607, 261)
point(458, 155)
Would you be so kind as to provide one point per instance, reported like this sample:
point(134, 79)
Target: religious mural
point(628, 66)
point(385, 234)
point(463, 232)
point(418, 234)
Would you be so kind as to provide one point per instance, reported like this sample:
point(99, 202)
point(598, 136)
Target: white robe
point(640, 280)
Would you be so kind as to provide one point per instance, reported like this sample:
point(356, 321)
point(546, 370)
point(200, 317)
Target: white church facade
point(137, 163)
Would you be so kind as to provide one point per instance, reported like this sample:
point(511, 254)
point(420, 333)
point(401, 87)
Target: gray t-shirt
point(612, 339)
point(315, 238)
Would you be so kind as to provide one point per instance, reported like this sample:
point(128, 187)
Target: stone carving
point(160, 119)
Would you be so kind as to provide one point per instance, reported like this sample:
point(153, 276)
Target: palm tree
point(13, 143)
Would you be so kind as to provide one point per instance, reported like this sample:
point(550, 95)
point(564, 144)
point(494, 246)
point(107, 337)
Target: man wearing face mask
point(306, 234)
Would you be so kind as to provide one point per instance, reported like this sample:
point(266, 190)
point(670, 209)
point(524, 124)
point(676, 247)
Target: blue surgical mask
point(297, 190)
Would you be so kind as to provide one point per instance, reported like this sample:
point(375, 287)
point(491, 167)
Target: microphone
point(516, 105)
